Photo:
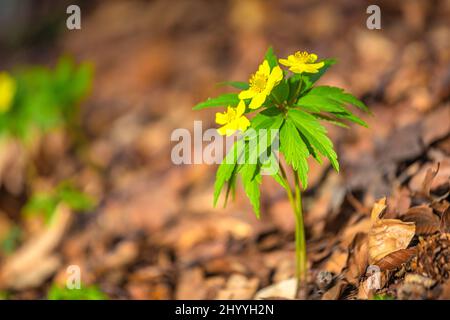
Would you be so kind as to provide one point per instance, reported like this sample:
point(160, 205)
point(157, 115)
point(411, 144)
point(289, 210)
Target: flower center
point(258, 82)
point(304, 57)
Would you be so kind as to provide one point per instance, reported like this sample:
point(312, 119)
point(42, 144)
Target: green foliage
point(84, 293)
point(228, 99)
point(294, 149)
point(295, 107)
point(271, 57)
point(235, 84)
point(383, 297)
point(45, 203)
point(45, 98)
point(11, 241)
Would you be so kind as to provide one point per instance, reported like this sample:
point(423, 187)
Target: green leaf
point(271, 58)
point(295, 150)
point(339, 95)
point(311, 78)
point(281, 91)
point(277, 176)
point(227, 99)
point(91, 292)
point(315, 133)
point(332, 100)
point(270, 118)
point(235, 84)
point(251, 180)
point(226, 169)
point(330, 119)
point(74, 198)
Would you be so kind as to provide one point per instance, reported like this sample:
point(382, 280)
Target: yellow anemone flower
point(261, 84)
point(232, 120)
point(300, 62)
point(7, 91)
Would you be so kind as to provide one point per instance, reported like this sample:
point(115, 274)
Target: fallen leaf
point(423, 217)
point(358, 259)
point(238, 287)
point(34, 262)
point(337, 261)
point(396, 259)
point(387, 235)
point(335, 292)
point(285, 289)
point(445, 221)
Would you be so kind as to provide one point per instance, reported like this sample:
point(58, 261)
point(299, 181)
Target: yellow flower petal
point(258, 100)
point(7, 91)
point(243, 123)
point(240, 108)
point(247, 94)
point(284, 62)
point(264, 68)
point(221, 118)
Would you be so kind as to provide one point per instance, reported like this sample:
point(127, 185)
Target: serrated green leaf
point(276, 176)
point(271, 58)
point(251, 179)
point(330, 120)
point(281, 91)
point(332, 100)
point(339, 95)
point(227, 168)
point(268, 118)
point(315, 133)
point(310, 78)
point(235, 84)
point(227, 99)
point(294, 150)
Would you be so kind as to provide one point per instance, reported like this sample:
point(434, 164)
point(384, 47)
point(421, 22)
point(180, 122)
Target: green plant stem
point(300, 242)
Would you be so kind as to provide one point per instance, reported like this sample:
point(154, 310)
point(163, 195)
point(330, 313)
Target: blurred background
point(85, 172)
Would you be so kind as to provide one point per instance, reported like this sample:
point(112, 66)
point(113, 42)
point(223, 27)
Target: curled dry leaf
point(396, 259)
point(423, 217)
point(387, 235)
point(428, 180)
point(445, 221)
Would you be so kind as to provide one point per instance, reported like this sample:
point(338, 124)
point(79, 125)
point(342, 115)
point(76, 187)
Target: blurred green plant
point(4, 295)
point(11, 241)
point(383, 297)
point(45, 203)
point(57, 292)
point(39, 99)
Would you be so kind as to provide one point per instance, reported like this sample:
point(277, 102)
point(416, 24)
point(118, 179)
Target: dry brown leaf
point(285, 289)
point(337, 261)
point(423, 217)
point(445, 221)
point(358, 259)
point(238, 287)
point(34, 259)
point(428, 180)
point(387, 235)
point(378, 210)
point(335, 292)
point(396, 259)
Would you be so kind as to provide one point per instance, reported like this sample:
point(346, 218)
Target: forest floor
point(155, 233)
